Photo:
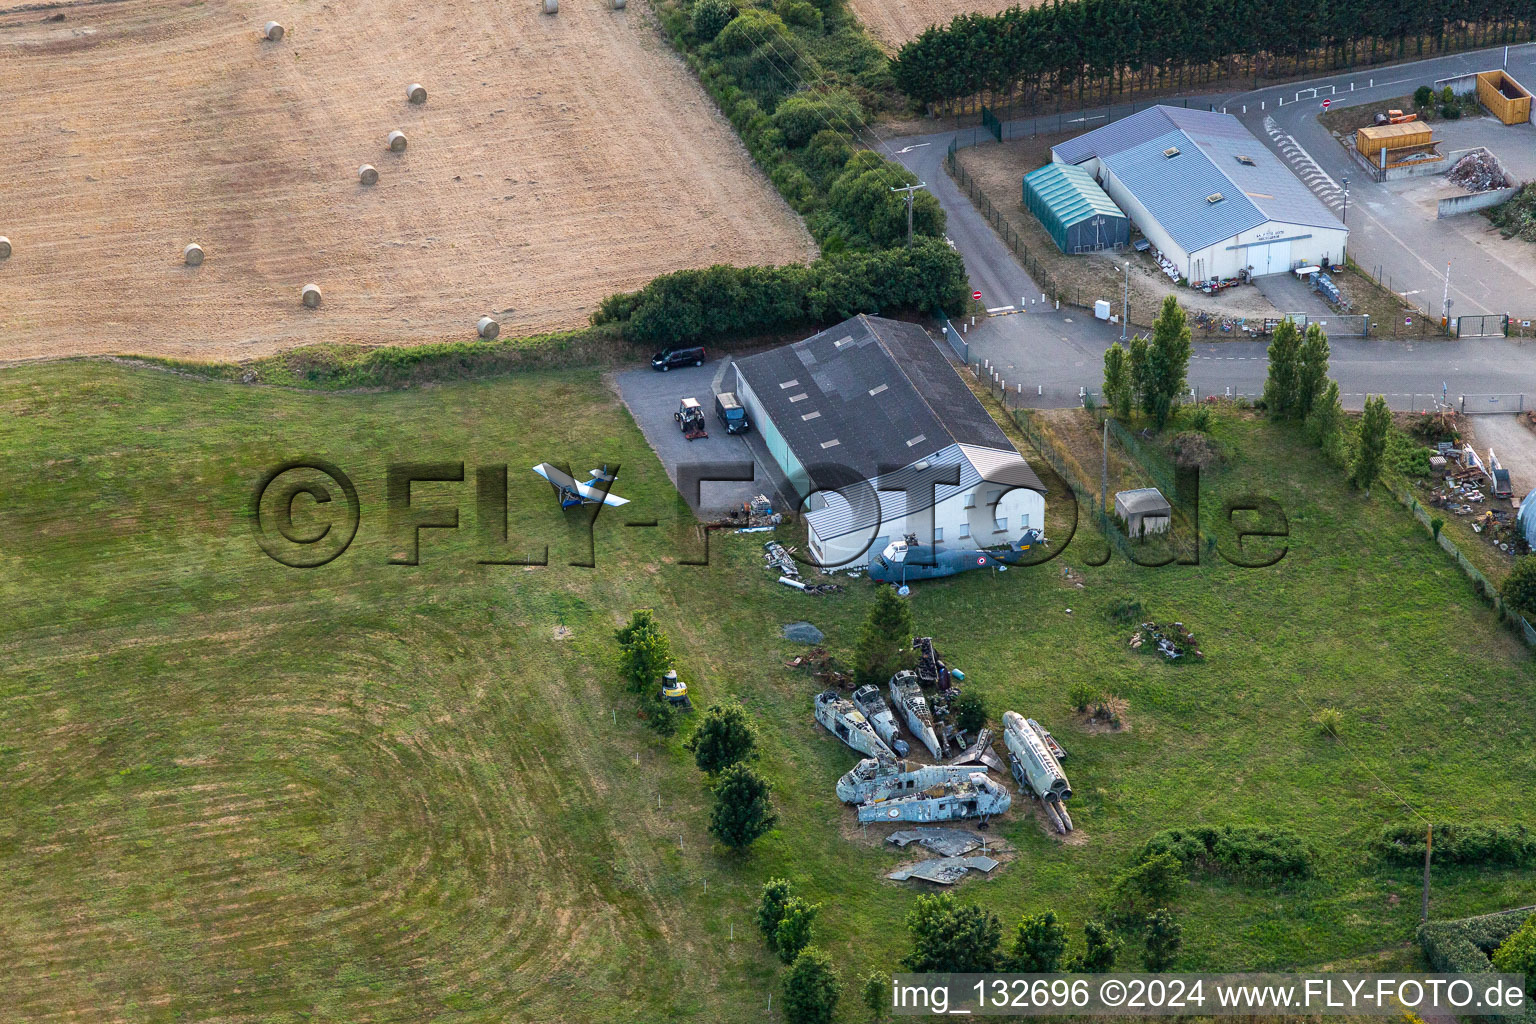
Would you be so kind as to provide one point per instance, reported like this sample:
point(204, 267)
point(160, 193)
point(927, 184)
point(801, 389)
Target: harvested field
point(894, 23)
point(555, 160)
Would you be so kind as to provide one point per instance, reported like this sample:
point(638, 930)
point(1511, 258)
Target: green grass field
point(235, 791)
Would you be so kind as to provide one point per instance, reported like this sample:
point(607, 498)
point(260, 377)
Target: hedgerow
point(1511, 846)
point(692, 304)
point(1276, 853)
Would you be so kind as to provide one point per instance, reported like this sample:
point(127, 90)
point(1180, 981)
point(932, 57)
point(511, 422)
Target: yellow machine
point(674, 689)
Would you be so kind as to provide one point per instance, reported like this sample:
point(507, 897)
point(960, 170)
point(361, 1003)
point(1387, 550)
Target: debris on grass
point(1172, 642)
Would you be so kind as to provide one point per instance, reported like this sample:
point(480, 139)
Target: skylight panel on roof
point(1246, 161)
point(919, 439)
point(875, 391)
point(831, 444)
point(811, 415)
point(802, 396)
point(844, 340)
point(1171, 152)
point(1214, 198)
point(789, 384)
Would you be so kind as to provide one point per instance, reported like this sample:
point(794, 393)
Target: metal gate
point(1474, 405)
point(1483, 325)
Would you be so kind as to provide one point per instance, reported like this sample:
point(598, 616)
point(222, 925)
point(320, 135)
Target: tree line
point(1157, 43)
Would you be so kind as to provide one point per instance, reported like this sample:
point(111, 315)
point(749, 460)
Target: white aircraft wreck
point(844, 721)
point(930, 792)
point(907, 697)
point(1036, 769)
point(878, 713)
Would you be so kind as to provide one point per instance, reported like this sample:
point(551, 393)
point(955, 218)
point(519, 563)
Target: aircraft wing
point(587, 491)
point(596, 494)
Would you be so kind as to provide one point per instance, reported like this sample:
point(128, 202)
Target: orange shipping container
point(1372, 140)
point(1507, 98)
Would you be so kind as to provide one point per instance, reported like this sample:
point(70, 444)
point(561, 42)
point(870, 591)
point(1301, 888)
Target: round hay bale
point(5, 248)
point(192, 255)
point(416, 93)
point(273, 33)
point(488, 328)
point(618, 5)
point(310, 296)
point(368, 174)
point(551, 6)
point(397, 142)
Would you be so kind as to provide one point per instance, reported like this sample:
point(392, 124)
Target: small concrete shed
point(1144, 511)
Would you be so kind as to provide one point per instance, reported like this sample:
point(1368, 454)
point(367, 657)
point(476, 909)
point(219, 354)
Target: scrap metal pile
point(782, 560)
point(754, 515)
point(1171, 641)
point(1479, 171)
point(886, 788)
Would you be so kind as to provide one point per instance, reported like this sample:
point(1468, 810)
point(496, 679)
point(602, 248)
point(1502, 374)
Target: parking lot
point(652, 398)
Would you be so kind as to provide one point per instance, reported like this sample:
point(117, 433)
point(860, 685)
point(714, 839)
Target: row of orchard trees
point(1067, 42)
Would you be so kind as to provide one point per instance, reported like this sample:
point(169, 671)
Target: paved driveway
point(1290, 294)
point(1515, 446)
point(652, 398)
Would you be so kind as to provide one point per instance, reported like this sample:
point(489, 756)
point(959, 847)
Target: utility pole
point(1104, 472)
point(910, 190)
point(1445, 303)
point(1429, 844)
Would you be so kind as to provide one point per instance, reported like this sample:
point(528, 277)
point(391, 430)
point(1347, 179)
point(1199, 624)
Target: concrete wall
point(1475, 201)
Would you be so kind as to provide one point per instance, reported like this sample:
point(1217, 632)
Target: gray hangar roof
point(873, 394)
point(1174, 160)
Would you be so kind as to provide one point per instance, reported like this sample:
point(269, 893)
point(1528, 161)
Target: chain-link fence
point(1483, 584)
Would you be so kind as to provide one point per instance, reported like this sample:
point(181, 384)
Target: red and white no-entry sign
point(1327, 104)
point(976, 296)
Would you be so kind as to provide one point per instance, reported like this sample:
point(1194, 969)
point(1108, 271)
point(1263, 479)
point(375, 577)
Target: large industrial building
point(865, 419)
point(1207, 193)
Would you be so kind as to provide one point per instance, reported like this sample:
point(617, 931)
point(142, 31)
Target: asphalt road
point(1055, 353)
point(1412, 253)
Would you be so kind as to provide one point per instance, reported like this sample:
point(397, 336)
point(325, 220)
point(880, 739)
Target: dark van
point(731, 413)
point(669, 358)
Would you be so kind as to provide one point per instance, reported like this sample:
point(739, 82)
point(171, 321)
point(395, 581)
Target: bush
point(1517, 955)
point(1450, 111)
point(1423, 96)
point(1255, 851)
point(1465, 946)
point(1151, 882)
point(1125, 611)
point(1508, 846)
point(801, 116)
point(970, 711)
point(1328, 722)
point(709, 17)
point(1197, 417)
point(799, 12)
point(1519, 588)
point(1082, 696)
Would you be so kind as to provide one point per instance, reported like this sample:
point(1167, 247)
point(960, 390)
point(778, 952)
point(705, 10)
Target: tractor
point(690, 417)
